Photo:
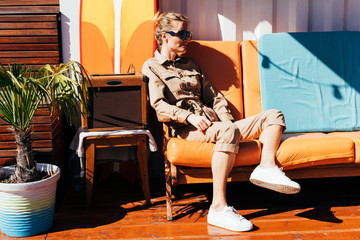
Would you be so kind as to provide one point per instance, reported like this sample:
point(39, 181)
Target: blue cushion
point(313, 78)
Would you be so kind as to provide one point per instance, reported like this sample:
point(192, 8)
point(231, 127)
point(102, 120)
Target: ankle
point(218, 207)
point(267, 165)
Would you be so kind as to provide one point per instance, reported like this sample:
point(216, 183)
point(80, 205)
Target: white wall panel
point(256, 18)
point(211, 24)
point(195, 14)
point(249, 19)
point(227, 20)
point(352, 15)
point(70, 30)
point(327, 15)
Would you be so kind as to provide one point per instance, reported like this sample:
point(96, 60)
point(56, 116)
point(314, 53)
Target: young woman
point(181, 94)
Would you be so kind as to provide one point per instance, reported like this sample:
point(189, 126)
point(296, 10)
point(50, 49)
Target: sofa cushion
point(220, 63)
point(250, 78)
point(312, 149)
point(313, 78)
point(295, 151)
point(197, 154)
point(355, 137)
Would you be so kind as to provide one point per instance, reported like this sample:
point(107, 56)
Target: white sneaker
point(229, 219)
point(274, 179)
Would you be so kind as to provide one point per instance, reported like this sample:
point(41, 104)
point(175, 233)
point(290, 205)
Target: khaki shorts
point(227, 135)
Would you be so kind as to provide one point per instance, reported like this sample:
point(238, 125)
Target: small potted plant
point(27, 189)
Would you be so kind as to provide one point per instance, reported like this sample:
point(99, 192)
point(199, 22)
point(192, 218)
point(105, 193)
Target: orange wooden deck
point(325, 209)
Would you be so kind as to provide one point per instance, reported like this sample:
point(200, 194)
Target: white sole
point(276, 187)
point(231, 229)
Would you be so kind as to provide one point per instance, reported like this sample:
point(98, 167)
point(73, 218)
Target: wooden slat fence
point(29, 32)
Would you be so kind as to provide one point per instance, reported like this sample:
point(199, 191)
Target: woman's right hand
point(200, 122)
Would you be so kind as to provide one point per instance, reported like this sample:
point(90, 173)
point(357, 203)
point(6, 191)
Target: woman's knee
point(275, 117)
point(227, 138)
point(229, 133)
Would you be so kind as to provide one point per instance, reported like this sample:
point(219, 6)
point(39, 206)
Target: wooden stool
point(138, 140)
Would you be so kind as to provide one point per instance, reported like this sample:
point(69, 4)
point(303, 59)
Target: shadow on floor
point(109, 196)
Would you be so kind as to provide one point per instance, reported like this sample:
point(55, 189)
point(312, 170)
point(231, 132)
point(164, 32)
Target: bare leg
point(267, 174)
point(221, 165)
point(220, 214)
point(270, 138)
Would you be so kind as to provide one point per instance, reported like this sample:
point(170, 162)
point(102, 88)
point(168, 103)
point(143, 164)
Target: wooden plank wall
point(29, 32)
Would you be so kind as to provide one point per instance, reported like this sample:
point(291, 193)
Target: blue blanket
point(313, 78)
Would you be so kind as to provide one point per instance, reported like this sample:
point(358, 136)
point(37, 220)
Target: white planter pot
point(28, 208)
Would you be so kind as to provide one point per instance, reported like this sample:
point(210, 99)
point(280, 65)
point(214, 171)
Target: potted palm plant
point(29, 184)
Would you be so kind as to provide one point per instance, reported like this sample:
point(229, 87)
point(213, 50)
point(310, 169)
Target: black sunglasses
point(182, 34)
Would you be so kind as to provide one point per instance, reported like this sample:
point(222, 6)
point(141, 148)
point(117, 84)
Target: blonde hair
point(163, 23)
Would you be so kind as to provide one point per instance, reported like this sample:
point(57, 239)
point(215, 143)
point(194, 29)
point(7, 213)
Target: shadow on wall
point(65, 38)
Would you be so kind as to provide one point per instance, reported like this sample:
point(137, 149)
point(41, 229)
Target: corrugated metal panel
point(249, 19)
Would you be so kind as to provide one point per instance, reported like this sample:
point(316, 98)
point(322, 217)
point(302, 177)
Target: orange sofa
point(233, 69)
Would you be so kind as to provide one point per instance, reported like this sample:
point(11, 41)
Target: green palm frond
point(18, 95)
point(66, 93)
point(58, 87)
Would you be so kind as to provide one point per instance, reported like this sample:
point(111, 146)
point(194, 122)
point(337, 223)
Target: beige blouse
point(178, 88)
